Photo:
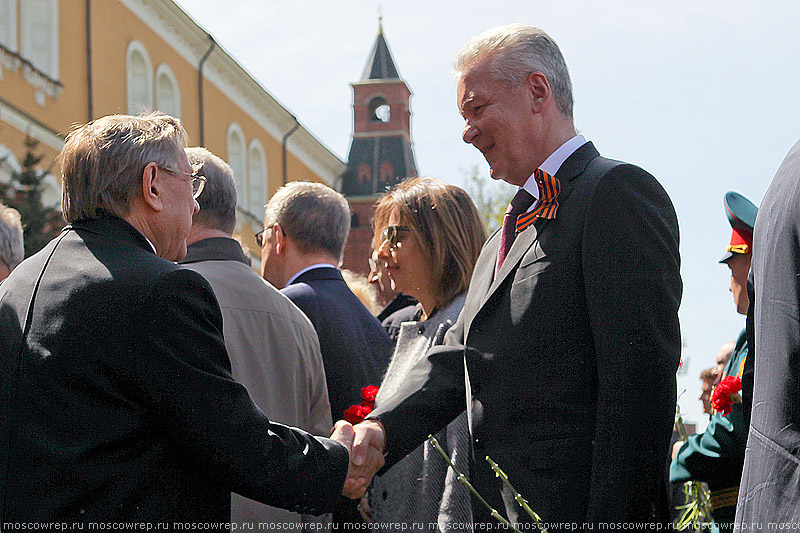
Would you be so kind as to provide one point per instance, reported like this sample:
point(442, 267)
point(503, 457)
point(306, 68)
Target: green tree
point(23, 192)
point(490, 196)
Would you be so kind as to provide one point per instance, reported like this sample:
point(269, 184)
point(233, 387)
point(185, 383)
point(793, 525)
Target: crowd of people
point(151, 376)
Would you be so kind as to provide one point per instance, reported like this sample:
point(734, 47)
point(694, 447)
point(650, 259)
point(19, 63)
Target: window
point(379, 110)
point(168, 97)
point(39, 35)
point(237, 161)
point(8, 24)
point(140, 79)
point(257, 170)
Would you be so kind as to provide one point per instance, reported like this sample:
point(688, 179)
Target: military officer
point(716, 456)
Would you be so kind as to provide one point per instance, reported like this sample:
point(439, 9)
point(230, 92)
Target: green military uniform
point(716, 456)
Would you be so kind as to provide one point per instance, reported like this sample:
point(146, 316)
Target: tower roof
point(380, 65)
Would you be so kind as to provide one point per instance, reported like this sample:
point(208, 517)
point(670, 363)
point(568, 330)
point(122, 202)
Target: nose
point(196, 207)
point(469, 133)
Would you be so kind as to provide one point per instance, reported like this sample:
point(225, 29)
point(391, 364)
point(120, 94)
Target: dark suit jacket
point(571, 350)
point(355, 347)
point(771, 477)
point(117, 402)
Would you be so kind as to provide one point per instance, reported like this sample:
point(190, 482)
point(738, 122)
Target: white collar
point(306, 269)
point(554, 162)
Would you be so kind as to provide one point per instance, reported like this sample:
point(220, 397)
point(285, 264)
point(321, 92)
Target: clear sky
point(704, 95)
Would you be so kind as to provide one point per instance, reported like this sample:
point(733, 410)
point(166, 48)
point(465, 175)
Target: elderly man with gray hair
point(117, 404)
point(12, 246)
point(305, 229)
point(569, 332)
point(273, 347)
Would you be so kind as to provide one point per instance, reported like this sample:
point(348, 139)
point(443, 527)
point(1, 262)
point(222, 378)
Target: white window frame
point(164, 70)
point(239, 167)
point(136, 47)
point(256, 151)
point(25, 36)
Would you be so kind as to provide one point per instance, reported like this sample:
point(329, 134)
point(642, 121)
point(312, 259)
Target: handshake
point(365, 442)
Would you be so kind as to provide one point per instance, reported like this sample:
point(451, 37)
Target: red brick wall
point(359, 243)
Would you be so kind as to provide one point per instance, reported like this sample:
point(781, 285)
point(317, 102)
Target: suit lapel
point(570, 169)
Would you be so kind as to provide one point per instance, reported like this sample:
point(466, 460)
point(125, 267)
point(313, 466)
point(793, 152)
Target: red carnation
point(356, 413)
point(368, 394)
point(725, 394)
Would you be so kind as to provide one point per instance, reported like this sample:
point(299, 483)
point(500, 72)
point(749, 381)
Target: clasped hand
point(365, 442)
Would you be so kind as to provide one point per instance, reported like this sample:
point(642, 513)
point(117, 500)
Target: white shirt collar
point(153, 246)
point(306, 269)
point(553, 163)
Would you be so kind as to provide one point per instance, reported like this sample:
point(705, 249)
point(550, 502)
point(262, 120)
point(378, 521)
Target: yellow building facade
point(67, 62)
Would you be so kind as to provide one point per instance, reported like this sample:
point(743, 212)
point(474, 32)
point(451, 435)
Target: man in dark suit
point(117, 403)
point(570, 335)
point(769, 498)
point(306, 227)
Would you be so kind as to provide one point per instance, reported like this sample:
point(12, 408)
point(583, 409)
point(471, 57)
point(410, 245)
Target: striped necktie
point(547, 206)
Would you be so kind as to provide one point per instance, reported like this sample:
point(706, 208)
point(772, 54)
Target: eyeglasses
point(198, 182)
point(260, 235)
point(392, 234)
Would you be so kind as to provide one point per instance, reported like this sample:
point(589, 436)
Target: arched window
point(168, 97)
point(140, 79)
point(237, 160)
point(387, 172)
point(39, 34)
point(364, 173)
point(257, 171)
point(379, 110)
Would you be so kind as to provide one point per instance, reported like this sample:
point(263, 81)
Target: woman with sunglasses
point(428, 235)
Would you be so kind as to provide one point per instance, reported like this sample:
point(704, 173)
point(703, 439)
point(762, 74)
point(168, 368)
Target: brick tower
point(380, 153)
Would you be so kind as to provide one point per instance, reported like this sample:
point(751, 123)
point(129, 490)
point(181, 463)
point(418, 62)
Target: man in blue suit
point(305, 230)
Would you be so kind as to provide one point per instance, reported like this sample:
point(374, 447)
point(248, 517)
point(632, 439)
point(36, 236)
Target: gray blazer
point(770, 488)
point(274, 352)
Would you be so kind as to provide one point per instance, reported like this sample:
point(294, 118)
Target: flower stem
point(698, 505)
point(463, 479)
point(517, 496)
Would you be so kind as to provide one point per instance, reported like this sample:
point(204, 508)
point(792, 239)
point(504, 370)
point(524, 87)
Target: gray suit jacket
point(274, 352)
point(770, 488)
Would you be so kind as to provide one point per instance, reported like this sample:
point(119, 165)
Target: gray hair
point(315, 216)
point(12, 245)
point(102, 162)
point(516, 51)
point(218, 199)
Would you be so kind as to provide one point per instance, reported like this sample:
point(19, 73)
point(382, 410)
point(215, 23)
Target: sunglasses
point(393, 234)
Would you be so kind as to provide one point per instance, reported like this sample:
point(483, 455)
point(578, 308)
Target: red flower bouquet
point(725, 394)
point(357, 413)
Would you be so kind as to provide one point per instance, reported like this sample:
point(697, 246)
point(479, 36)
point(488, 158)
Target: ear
point(152, 189)
point(280, 239)
point(540, 91)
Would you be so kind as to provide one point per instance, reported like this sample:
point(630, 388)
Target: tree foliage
point(490, 197)
point(23, 192)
